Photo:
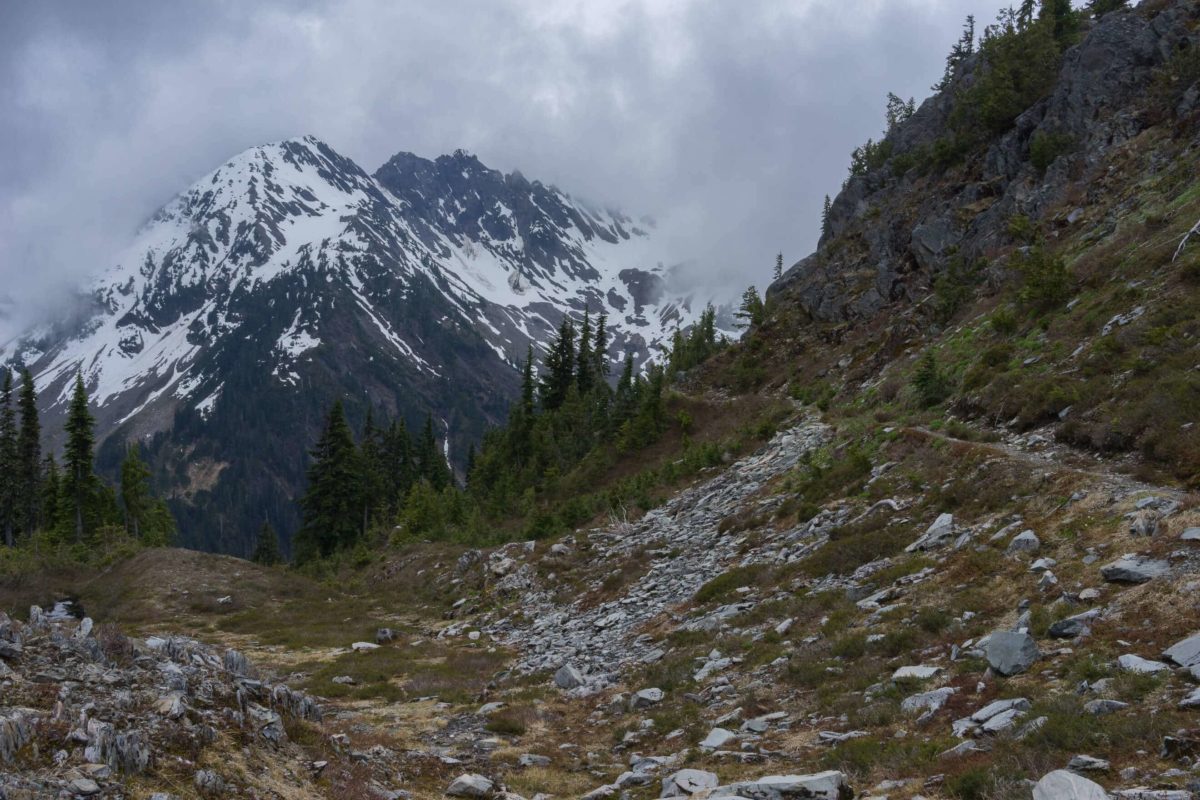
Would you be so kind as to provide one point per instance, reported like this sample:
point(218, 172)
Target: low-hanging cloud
point(726, 121)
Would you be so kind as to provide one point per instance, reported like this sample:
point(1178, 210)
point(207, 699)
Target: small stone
point(1132, 663)
point(718, 738)
point(1024, 542)
point(920, 673)
point(646, 698)
point(1134, 569)
point(687, 782)
point(1102, 707)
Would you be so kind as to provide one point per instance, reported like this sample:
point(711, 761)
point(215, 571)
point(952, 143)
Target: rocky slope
point(289, 276)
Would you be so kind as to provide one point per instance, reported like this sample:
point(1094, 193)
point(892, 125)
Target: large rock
point(939, 534)
point(1024, 542)
point(1185, 653)
point(1011, 653)
point(1066, 785)
point(646, 698)
point(718, 738)
point(470, 785)
point(829, 785)
point(1132, 663)
point(687, 782)
point(568, 677)
point(1134, 569)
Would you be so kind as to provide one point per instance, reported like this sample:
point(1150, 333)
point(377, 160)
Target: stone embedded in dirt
point(568, 677)
point(1190, 535)
point(1103, 706)
point(718, 738)
point(1082, 763)
point(927, 701)
point(1066, 785)
point(1024, 542)
point(1076, 625)
point(920, 673)
point(363, 647)
point(687, 782)
point(1192, 700)
point(939, 534)
point(1132, 663)
point(533, 760)
point(209, 783)
point(9, 650)
point(1133, 568)
point(646, 698)
point(385, 635)
point(1011, 653)
point(829, 785)
point(1186, 652)
point(470, 785)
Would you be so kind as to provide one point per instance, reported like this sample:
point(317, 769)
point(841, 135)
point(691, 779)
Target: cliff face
point(892, 230)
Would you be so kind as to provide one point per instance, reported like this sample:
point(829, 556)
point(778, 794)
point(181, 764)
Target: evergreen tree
point(331, 505)
point(558, 368)
point(898, 110)
point(398, 465)
point(29, 453)
point(584, 368)
point(600, 351)
point(928, 381)
point(431, 459)
point(1099, 8)
point(10, 483)
point(374, 464)
point(826, 230)
point(626, 395)
point(752, 311)
point(1063, 18)
point(266, 549)
point(528, 385)
point(778, 267)
point(963, 49)
point(79, 480)
point(51, 488)
point(147, 517)
point(1025, 13)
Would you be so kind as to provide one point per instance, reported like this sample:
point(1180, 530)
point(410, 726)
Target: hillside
point(947, 548)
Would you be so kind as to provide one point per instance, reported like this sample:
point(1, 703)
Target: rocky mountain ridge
point(289, 276)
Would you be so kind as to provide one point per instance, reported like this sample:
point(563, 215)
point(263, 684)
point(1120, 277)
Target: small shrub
point(1045, 280)
point(929, 382)
point(1045, 149)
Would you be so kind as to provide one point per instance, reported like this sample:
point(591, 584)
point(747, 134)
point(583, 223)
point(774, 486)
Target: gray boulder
point(1024, 542)
point(1185, 653)
point(939, 534)
point(1066, 785)
point(1010, 653)
point(470, 785)
point(828, 785)
point(687, 782)
point(568, 677)
point(646, 698)
point(1134, 569)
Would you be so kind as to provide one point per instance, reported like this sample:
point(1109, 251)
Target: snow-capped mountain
point(289, 276)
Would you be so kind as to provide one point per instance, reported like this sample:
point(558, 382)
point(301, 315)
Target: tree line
point(42, 501)
point(569, 411)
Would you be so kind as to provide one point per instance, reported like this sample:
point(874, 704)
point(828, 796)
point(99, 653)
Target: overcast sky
point(727, 120)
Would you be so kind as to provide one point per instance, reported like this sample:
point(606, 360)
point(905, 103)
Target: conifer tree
point(79, 480)
point(29, 452)
point(431, 459)
point(398, 465)
point(752, 311)
point(600, 351)
point(826, 230)
point(528, 386)
point(375, 480)
point(50, 493)
point(584, 375)
point(558, 368)
point(266, 549)
point(10, 484)
point(147, 517)
point(331, 504)
point(778, 267)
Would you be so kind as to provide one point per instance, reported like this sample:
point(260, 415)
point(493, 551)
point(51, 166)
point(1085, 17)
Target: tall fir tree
point(147, 517)
point(266, 548)
point(826, 209)
point(29, 453)
point(432, 459)
point(778, 273)
point(10, 474)
point(558, 368)
point(584, 374)
point(331, 506)
point(600, 350)
point(79, 480)
point(51, 489)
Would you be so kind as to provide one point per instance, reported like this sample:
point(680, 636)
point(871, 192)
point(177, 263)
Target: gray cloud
point(727, 121)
